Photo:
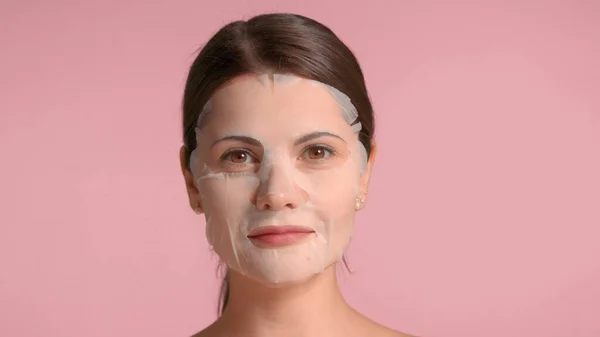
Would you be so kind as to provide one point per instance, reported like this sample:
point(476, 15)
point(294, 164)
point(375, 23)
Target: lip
point(279, 236)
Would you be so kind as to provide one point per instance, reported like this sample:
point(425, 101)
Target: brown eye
point(238, 157)
point(316, 153)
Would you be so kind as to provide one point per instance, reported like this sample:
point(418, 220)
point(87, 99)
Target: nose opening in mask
point(278, 189)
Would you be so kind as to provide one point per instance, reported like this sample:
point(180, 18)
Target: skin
point(301, 175)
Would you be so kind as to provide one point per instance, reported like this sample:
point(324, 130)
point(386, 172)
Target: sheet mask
point(320, 196)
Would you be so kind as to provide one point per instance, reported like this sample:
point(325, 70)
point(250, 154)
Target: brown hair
point(279, 43)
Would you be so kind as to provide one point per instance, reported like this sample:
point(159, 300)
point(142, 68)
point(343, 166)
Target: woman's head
point(278, 130)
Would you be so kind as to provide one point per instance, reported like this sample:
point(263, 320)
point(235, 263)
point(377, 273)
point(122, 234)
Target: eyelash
point(329, 152)
point(226, 155)
point(328, 149)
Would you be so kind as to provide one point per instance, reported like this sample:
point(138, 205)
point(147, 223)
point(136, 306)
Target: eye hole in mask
point(242, 159)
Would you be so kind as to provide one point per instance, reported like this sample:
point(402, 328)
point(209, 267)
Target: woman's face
point(278, 154)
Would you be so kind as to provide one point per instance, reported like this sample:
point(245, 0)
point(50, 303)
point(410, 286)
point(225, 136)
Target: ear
point(190, 185)
point(361, 198)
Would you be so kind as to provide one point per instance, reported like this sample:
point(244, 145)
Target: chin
point(282, 279)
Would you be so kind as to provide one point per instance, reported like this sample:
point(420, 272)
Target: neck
point(303, 309)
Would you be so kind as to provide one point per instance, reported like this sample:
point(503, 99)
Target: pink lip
point(279, 236)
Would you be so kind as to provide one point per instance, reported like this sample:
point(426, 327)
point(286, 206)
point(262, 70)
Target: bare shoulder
point(394, 333)
point(387, 332)
point(370, 329)
point(374, 329)
point(379, 330)
point(384, 333)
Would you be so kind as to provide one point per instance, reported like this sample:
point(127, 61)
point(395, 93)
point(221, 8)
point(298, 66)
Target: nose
point(279, 192)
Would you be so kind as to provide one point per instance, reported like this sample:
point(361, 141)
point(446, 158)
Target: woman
point(278, 150)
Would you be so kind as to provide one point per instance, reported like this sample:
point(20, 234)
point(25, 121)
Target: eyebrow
point(315, 135)
point(243, 139)
point(257, 143)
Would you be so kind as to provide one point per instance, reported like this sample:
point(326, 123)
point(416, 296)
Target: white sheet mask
point(280, 185)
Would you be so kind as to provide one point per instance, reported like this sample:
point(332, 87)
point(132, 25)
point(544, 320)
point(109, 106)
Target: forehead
point(284, 100)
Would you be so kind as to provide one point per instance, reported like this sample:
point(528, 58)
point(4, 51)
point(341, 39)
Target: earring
point(360, 202)
point(198, 209)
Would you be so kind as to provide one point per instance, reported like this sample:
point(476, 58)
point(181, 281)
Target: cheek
point(335, 193)
point(226, 198)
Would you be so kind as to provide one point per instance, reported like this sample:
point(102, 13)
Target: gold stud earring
point(359, 202)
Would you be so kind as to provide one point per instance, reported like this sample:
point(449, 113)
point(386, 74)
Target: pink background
point(484, 212)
